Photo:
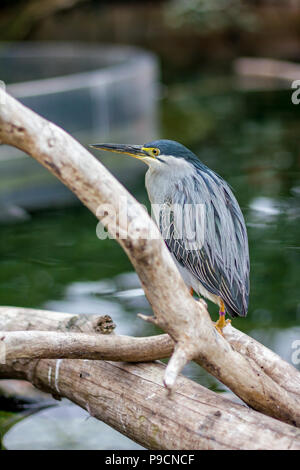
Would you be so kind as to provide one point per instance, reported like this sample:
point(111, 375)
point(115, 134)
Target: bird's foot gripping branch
point(258, 376)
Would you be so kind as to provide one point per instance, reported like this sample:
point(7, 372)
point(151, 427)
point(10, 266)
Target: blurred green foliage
point(208, 16)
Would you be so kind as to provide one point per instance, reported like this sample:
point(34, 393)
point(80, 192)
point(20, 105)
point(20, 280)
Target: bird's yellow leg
point(221, 323)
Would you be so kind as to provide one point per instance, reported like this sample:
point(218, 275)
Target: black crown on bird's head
point(171, 147)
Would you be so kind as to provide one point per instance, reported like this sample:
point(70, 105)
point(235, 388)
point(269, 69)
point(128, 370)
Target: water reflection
point(286, 342)
point(264, 207)
point(65, 427)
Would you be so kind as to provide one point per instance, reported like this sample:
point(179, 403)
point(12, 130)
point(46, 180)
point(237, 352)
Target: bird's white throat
point(162, 176)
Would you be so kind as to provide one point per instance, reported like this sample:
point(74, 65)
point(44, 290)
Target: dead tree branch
point(156, 347)
point(56, 345)
point(267, 68)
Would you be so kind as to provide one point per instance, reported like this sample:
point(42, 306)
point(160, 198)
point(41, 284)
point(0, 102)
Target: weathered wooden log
point(184, 319)
point(132, 399)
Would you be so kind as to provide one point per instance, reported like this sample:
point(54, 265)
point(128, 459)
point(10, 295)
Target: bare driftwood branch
point(131, 399)
point(193, 418)
point(184, 319)
point(154, 347)
point(267, 68)
point(53, 345)
point(23, 319)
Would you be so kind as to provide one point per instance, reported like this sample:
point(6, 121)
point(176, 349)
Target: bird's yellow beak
point(136, 151)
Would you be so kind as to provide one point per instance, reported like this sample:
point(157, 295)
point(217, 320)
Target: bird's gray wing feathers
point(217, 255)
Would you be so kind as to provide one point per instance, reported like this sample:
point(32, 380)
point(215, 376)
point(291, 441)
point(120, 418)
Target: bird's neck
point(161, 180)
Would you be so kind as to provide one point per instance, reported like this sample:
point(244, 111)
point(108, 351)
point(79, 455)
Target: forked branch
point(131, 398)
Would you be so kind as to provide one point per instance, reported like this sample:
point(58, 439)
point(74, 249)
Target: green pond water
point(55, 261)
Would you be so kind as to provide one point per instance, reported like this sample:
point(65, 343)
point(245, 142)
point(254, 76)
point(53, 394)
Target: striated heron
point(200, 221)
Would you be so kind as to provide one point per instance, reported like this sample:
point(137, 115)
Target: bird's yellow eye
point(151, 151)
point(155, 152)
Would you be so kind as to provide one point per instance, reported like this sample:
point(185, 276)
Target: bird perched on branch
point(200, 220)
